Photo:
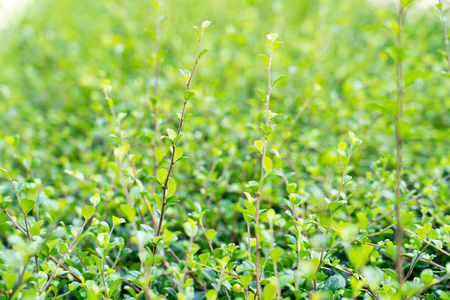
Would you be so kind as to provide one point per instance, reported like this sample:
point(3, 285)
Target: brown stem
point(414, 263)
point(258, 198)
point(172, 159)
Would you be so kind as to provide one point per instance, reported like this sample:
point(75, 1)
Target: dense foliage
point(144, 159)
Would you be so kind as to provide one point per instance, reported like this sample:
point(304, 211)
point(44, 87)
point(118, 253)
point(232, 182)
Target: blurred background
point(55, 54)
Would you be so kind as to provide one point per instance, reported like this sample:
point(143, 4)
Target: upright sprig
point(163, 176)
point(334, 206)
point(261, 146)
point(446, 34)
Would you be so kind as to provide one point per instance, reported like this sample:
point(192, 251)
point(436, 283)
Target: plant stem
point(399, 140)
point(172, 158)
point(258, 196)
point(414, 263)
point(249, 250)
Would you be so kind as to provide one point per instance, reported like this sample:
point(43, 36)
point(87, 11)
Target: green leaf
point(291, 187)
point(262, 95)
point(162, 175)
point(362, 219)
point(397, 53)
point(267, 129)
point(280, 78)
point(117, 221)
point(427, 276)
point(151, 34)
point(206, 24)
point(186, 74)
point(27, 205)
point(347, 179)
point(5, 173)
point(190, 228)
point(204, 258)
point(172, 187)
point(246, 279)
point(259, 145)
point(5, 202)
point(110, 102)
point(199, 33)
point(275, 46)
point(344, 160)
point(129, 212)
point(268, 164)
point(171, 133)
point(18, 186)
point(175, 140)
point(412, 76)
point(335, 282)
point(158, 200)
point(356, 144)
point(114, 286)
point(405, 3)
point(264, 59)
point(211, 295)
point(13, 141)
point(333, 206)
point(211, 234)
point(114, 167)
point(276, 253)
point(186, 118)
point(270, 291)
point(178, 154)
point(188, 95)
point(62, 247)
point(10, 279)
point(421, 232)
point(88, 212)
point(204, 51)
point(389, 107)
point(95, 199)
point(120, 152)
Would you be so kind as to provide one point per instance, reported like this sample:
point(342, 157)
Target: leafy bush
point(139, 164)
